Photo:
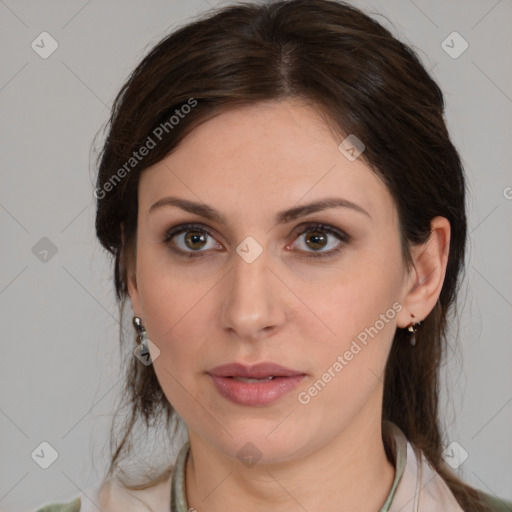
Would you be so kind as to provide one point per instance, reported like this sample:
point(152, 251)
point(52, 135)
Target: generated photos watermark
point(304, 397)
point(151, 142)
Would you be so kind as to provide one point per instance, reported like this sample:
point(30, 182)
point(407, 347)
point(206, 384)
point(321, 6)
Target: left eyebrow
point(205, 210)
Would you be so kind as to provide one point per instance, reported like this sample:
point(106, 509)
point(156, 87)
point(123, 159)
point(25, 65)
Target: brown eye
point(317, 239)
point(190, 240)
point(195, 239)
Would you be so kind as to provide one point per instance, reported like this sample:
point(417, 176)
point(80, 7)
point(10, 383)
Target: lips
point(256, 385)
point(257, 371)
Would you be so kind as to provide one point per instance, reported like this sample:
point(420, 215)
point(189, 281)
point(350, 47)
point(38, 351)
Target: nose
point(253, 307)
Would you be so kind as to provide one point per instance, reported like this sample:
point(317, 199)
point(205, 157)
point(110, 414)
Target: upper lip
point(255, 371)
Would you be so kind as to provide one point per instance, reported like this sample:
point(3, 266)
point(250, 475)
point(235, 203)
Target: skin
point(285, 307)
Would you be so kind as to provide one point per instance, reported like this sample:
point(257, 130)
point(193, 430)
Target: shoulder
point(114, 497)
point(497, 504)
point(71, 506)
point(111, 496)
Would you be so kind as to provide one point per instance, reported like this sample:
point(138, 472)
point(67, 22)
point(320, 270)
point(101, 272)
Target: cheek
point(358, 312)
point(166, 290)
point(175, 305)
point(169, 306)
point(361, 298)
point(347, 369)
point(175, 325)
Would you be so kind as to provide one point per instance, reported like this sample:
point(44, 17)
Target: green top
point(179, 495)
point(72, 506)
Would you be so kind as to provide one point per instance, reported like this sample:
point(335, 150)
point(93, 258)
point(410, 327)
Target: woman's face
point(248, 288)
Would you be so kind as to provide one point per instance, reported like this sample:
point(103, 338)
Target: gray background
point(59, 361)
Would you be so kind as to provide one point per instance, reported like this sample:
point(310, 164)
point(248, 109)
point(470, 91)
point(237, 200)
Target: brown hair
point(363, 81)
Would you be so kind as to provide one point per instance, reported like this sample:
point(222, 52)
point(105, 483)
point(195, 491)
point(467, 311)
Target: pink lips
point(254, 393)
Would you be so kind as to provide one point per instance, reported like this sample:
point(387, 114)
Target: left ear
point(425, 281)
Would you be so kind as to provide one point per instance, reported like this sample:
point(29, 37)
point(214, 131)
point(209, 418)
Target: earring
point(141, 350)
point(413, 328)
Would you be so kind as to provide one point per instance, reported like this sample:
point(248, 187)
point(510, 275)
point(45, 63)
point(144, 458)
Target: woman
point(286, 214)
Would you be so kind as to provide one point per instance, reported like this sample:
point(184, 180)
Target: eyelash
point(183, 228)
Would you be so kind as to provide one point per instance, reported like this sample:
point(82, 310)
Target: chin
point(261, 442)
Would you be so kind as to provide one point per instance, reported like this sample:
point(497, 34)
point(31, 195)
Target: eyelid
point(311, 225)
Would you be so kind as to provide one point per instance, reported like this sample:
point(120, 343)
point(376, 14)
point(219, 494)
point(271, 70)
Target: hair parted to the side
point(363, 81)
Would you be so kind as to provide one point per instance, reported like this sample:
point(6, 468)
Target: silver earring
point(413, 329)
point(141, 350)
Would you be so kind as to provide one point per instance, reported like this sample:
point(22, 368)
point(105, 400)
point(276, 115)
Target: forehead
point(263, 157)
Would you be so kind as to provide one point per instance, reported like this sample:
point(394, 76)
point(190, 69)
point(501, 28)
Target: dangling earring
point(141, 350)
point(413, 328)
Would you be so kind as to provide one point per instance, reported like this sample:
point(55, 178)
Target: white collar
point(421, 488)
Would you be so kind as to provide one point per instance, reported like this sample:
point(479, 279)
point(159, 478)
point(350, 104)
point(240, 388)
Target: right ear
point(129, 263)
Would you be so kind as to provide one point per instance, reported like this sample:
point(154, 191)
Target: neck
point(350, 470)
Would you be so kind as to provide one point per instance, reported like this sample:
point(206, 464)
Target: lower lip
point(255, 393)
